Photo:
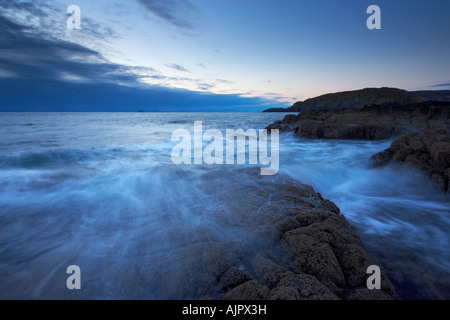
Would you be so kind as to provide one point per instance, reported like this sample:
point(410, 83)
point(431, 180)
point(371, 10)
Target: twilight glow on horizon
point(214, 55)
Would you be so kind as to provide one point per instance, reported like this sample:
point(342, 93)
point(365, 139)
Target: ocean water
point(100, 190)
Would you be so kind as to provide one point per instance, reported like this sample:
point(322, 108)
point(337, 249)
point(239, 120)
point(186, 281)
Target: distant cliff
point(365, 97)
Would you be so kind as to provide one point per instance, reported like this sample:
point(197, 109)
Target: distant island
point(365, 97)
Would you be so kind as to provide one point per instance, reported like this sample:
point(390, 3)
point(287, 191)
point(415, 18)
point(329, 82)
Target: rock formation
point(376, 122)
point(354, 100)
point(287, 243)
point(428, 150)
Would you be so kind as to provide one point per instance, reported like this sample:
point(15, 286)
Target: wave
point(104, 193)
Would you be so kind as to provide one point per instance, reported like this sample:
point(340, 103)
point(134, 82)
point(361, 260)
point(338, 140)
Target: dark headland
point(365, 97)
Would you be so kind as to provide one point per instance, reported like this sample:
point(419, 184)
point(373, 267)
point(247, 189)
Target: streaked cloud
point(175, 12)
point(177, 67)
point(29, 55)
point(439, 85)
point(205, 86)
point(224, 81)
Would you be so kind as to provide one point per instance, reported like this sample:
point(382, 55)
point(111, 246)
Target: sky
point(214, 55)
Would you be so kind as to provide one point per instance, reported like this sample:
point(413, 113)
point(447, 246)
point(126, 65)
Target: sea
point(87, 189)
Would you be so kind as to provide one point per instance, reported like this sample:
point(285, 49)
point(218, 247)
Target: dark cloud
point(177, 67)
point(205, 86)
point(34, 9)
point(441, 85)
point(26, 55)
point(42, 71)
point(49, 20)
point(176, 12)
point(48, 96)
point(224, 81)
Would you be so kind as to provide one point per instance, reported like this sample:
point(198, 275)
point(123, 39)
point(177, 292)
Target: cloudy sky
point(214, 55)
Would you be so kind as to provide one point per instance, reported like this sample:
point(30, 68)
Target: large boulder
point(428, 150)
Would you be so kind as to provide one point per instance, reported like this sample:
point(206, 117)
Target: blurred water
point(92, 188)
point(400, 214)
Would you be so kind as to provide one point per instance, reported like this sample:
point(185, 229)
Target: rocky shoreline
point(421, 130)
point(295, 245)
point(298, 246)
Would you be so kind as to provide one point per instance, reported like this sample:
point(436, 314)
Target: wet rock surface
point(428, 150)
point(277, 239)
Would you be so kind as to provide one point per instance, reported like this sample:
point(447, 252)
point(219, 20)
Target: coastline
point(420, 141)
point(121, 226)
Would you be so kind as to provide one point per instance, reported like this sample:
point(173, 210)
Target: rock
point(189, 272)
point(428, 150)
point(250, 290)
point(314, 255)
point(301, 287)
point(279, 240)
point(355, 99)
point(440, 153)
point(263, 266)
point(266, 270)
point(329, 205)
point(359, 98)
point(287, 225)
point(353, 261)
point(371, 122)
point(325, 247)
point(285, 293)
point(124, 274)
point(366, 294)
point(233, 278)
point(182, 235)
point(312, 216)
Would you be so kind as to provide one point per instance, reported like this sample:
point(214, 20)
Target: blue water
point(98, 189)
